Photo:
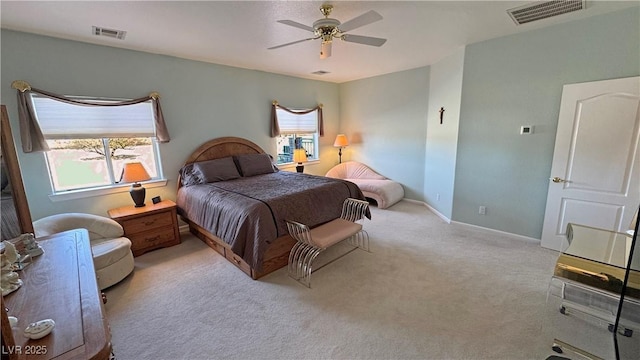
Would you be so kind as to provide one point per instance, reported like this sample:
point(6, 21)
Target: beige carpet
point(428, 290)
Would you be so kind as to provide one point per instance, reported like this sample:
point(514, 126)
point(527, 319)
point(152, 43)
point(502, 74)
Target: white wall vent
point(116, 34)
point(544, 9)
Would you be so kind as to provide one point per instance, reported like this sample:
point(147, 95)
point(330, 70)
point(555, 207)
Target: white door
point(595, 175)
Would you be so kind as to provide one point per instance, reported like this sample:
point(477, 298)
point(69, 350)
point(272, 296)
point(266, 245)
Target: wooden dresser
point(149, 227)
point(60, 285)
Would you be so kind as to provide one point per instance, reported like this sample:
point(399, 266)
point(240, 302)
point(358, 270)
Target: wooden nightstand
point(150, 227)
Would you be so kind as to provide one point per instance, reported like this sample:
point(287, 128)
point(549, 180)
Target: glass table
point(585, 290)
point(598, 258)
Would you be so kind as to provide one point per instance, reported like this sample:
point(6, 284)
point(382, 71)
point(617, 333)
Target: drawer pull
point(152, 239)
point(148, 223)
point(237, 261)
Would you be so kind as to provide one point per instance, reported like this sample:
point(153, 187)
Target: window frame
point(315, 134)
point(114, 186)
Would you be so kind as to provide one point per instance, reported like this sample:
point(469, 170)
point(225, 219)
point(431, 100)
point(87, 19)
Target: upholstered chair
point(112, 256)
point(384, 191)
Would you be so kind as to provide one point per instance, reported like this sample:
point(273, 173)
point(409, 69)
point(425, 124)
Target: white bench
point(311, 242)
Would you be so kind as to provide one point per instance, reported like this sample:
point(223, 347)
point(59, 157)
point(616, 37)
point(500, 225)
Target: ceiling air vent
point(320, 72)
point(116, 34)
point(542, 10)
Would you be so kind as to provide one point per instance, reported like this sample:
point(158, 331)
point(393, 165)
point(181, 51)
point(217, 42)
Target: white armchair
point(112, 256)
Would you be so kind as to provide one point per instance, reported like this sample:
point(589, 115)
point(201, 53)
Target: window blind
point(59, 120)
point(297, 123)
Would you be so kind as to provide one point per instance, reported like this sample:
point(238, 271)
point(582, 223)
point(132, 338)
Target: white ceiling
point(238, 33)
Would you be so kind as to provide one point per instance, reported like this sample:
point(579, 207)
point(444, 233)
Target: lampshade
point(341, 141)
point(299, 155)
point(134, 172)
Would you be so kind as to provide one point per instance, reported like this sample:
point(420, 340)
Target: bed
point(241, 215)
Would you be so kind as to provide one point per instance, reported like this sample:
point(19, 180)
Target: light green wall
point(445, 91)
point(507, 82)
point(200, 101)
point(517, 80)
point(385, 119)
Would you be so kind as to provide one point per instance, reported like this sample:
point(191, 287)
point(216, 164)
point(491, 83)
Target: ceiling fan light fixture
point(325, 49)
point(327, 29)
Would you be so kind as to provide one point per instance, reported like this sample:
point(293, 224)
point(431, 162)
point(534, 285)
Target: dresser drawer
point(146, 223)
point(154, 239)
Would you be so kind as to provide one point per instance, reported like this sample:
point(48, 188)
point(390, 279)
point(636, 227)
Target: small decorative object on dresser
point(150, 227)
point(9, 281)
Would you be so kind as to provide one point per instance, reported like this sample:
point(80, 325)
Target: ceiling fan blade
point(296, 24)
point(291, 43)
point(358, 21)
point(325, 49)
point(366, 40)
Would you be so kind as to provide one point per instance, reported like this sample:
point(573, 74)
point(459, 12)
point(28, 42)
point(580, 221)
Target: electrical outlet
point(438, 197)
point(482, 210)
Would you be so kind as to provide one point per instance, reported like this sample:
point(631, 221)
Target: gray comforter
point(248, 213)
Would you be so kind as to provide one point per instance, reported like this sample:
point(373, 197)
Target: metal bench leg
point(301, 262)
point(293, 263)
point(360, 240)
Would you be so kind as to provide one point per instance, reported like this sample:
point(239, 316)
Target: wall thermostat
point(526, 129)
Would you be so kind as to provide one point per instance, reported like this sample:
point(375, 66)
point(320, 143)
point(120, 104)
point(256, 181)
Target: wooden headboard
point(220, 148)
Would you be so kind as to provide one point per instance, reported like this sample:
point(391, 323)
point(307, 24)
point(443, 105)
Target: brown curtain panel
point(275, 128)
point(32, 138)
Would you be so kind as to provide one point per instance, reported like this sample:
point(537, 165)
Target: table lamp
point(341, 141)
point(299, 156)
point(135, 172)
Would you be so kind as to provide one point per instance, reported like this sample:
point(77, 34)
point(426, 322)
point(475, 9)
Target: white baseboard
point(521, 237)
point(449, 221)
point(431, 208)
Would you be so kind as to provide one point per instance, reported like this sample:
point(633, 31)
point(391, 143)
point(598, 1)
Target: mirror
point(16, 218)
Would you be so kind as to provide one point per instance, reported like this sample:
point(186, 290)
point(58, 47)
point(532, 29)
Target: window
point(89, 145)
point(297, 131)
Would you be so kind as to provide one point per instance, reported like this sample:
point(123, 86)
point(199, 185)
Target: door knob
point(558, 180)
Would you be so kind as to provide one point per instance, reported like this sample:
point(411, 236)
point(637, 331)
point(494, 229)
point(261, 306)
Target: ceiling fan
point(328, 29)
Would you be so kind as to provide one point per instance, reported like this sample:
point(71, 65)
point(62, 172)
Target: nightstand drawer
point(147, 223)
point(149, 227)
point(153, 239)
